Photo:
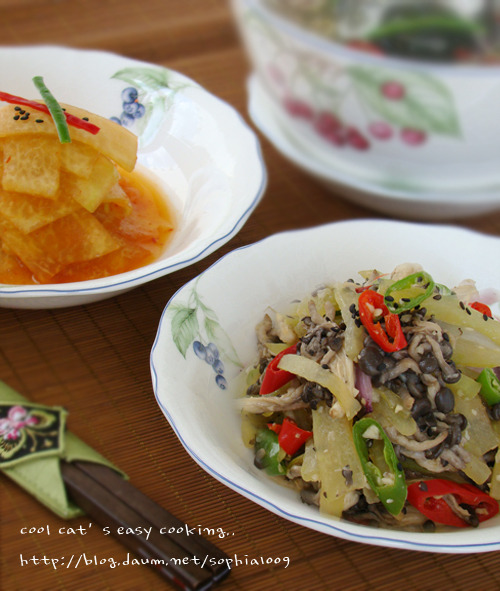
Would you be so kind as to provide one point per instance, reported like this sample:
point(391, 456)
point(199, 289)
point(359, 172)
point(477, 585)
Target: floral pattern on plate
point(194, 325)
point(145, 101)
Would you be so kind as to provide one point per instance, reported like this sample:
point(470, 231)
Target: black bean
point(428, 363)
point(445, 401)
point(420, 408)
point(370, 360)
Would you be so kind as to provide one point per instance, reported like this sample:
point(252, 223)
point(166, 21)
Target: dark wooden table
point(94, 359)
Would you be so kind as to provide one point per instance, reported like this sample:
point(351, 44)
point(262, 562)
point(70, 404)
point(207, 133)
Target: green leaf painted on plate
point(425, 103)
point(144, 79)
point(185, 328)
point(217, 334)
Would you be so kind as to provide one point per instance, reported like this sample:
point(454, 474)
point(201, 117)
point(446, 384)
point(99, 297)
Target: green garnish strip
point(490, 386)
point(392, 496)
point(55, 110)
point(415, 279)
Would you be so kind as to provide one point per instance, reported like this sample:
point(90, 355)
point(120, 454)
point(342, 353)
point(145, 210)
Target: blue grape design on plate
point(132, 108)
point(149, 93)
point(210, 354)
point(195, 327)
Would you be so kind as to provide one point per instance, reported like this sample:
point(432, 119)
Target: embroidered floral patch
point(30, 430)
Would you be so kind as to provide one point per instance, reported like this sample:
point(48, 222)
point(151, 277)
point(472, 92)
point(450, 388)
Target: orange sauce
point(143, 231)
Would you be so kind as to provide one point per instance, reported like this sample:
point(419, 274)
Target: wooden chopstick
point(112, 501)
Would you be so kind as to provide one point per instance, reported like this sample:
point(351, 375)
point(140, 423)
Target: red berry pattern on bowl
point(406, 110)
point(351, 105)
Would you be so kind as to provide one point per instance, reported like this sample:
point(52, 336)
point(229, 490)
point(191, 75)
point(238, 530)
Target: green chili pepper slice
point(55, 110)
point(268, 454)
point(388, 482)
point(419, 279)
point(490, 386)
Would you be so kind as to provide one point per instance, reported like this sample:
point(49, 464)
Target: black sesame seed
point(389, 298)
point(25, 117)
point(468, 311)
point(462, 305)
point(485, 317)
point(17, 108)
point(423, 486)
point(16, 117)
point(437, 296)
point(85, 118)
point(39, 120)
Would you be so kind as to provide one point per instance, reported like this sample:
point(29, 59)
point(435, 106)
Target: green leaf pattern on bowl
point(195, 328)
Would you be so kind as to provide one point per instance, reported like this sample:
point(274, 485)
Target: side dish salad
point(72, 205)
point(379, 401)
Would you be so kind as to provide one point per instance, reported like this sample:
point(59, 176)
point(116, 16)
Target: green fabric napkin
point(33, 441)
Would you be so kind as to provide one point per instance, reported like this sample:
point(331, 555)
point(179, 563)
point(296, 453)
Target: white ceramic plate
point(194, 146)
point(223, 305)
point(394, 201)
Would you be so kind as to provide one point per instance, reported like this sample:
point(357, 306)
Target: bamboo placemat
point(94, 359)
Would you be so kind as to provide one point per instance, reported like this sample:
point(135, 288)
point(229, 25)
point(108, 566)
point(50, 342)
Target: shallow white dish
point(194, 146)
point(223, 305)
point(388, 199)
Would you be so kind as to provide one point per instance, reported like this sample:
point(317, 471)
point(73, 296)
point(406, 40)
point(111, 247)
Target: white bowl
point(406, 124)
point(223, 306)
point(393, 201)
point(194, 146)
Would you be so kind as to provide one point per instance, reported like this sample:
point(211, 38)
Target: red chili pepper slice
point(483, 308)
point(392, 338)
point(427, 497)
point(71, 119)
point(291, 437)
point(274, 378)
